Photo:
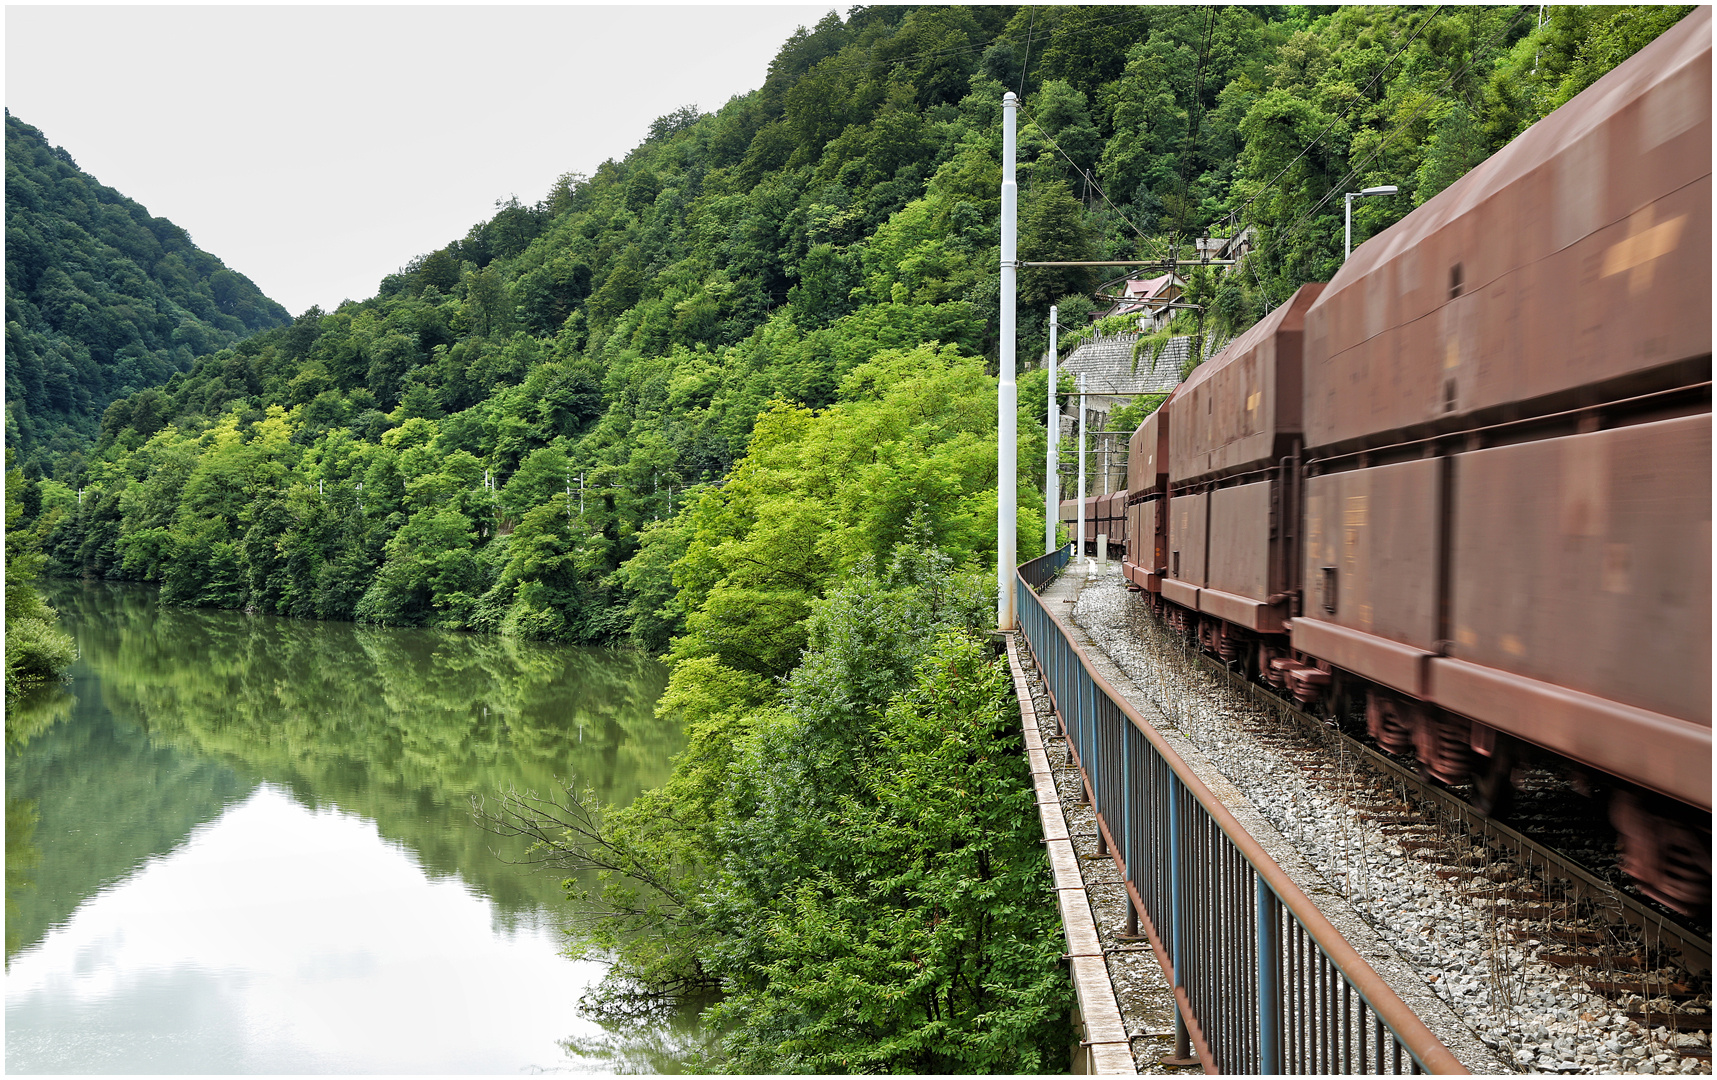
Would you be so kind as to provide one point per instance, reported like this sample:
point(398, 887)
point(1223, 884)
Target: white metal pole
point(1052, 489)
point(1103, 437)
point(1007, 393)
point(1079, 536)
point(1347, 230)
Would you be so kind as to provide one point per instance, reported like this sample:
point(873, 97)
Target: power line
point(1234, 215)
point(1088, 178)
point(1299, 223)
point(1031, 24)
point(1392, 131)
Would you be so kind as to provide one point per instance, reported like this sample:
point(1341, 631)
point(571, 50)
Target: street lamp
point(1347, 239)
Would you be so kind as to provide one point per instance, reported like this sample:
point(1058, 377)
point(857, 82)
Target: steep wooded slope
point(102, 300)
point(511, 435)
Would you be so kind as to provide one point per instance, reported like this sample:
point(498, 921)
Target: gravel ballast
point(1530, 1016)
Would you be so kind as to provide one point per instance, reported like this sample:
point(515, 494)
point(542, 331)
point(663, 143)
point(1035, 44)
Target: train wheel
point(1230, 646)
point(1251, 667)
point(1493, 779)
point(1666, 848)
point(1385, 723)
point(1268, 671)
point(1441, 742)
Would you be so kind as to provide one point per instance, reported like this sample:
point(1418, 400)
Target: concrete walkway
point(1124, 975)
point(1102, 1045)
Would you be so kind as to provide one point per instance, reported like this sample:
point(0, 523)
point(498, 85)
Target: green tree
point(1052, 229)
point(37, 650)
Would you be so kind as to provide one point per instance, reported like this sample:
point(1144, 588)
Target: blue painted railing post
point(1269, 982)
point(1081, 691)
point(1127, 801)
point(1175, 949)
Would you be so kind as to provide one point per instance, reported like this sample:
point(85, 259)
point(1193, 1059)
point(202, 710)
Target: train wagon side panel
point(1370, 573)
point(1187, 529)
point(1151, 551)
point(1585, 561)
point(1237, 410)
point(1240, 544)
point(1147, 455)
point(1106, 524)
point(1246, 566)
point(1147, 544)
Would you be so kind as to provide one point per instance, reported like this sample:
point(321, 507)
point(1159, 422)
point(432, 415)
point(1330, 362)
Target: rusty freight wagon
point(1234, 431)
point(1508, 515)
point(1478, 506)
point(1146, 519)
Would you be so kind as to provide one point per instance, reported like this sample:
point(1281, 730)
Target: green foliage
point(37, 650)
point(1455, 147)
point(753, 281)
point(911, 438)
point(840, 886)
point(1129, 416)
point(849, 854)
point(102, 301)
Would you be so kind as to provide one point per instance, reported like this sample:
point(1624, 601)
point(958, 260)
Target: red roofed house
point(1150, 297)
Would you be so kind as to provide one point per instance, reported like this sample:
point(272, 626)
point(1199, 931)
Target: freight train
point(1464, 488)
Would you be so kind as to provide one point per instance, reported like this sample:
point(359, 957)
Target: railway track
point(1516, 926)
point(1564, 885)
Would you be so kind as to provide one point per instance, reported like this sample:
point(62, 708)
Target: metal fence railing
point(1264, 982)
point(1041, 571)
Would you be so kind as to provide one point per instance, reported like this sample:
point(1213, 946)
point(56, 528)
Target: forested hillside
point(102, 300)
point(527, 430)
point(733, 398)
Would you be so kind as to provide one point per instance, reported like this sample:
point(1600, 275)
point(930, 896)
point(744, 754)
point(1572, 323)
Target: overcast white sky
point(317, 149)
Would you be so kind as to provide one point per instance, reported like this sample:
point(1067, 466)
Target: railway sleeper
point(1664, 847)
point(1613, 988)
point(1587, 960)
point(1675, 1021)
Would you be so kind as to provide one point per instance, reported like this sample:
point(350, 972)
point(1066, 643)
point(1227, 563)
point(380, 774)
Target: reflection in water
point(259, 826)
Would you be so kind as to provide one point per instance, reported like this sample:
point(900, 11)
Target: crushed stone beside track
point(1494, 1004)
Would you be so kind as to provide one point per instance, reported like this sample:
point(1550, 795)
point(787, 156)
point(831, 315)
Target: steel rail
point(1695, 949)
point(1264, 982)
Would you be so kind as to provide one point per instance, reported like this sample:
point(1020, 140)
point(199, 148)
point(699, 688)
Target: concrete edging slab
point(1107, 1049)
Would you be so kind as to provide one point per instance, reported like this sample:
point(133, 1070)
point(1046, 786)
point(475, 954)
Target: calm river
point(239, 843)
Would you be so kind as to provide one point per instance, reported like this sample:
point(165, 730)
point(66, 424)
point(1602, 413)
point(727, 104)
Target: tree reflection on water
point(180, 713)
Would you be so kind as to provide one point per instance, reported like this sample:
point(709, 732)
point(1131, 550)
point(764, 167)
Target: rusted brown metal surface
point(1237, 410)
point(1370, 552)
point(1103, 515)
point(1586, 561)
point(1147, 483)
point(1148, 455)
point(1390, 663)
point(1574, 262)
point(1147, 539)
point(1188, 521)
point(1241, 542)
